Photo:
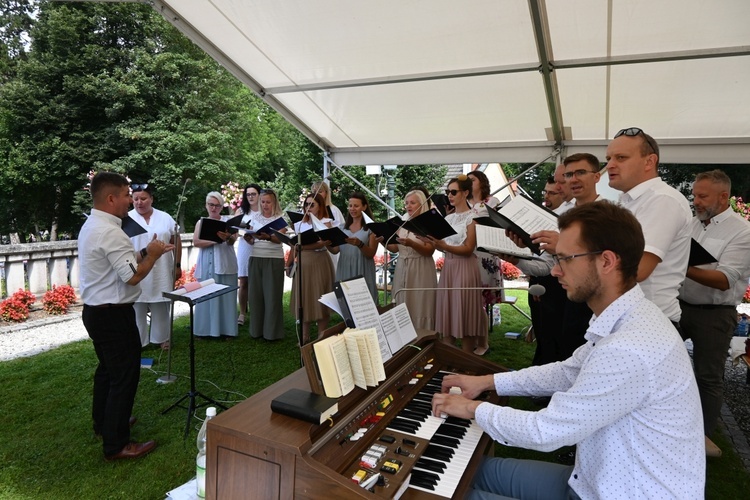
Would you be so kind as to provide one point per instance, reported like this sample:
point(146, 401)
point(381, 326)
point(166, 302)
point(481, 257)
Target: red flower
point(510, 272)
point(439, 263)
point(187, 277)
point(59, 299)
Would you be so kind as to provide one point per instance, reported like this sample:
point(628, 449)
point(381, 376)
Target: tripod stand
point(192, 298)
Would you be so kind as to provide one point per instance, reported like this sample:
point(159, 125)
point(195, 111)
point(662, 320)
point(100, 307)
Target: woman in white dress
point(250, 203)
point(165, 271)
point(216, 317)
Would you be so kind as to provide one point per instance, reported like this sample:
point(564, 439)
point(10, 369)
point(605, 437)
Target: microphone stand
point(169, 378)
point(556, 152)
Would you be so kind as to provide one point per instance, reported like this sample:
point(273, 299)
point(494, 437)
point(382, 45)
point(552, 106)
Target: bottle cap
point(211, 411)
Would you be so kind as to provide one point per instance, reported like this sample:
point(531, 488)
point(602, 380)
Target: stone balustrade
point(38, 266)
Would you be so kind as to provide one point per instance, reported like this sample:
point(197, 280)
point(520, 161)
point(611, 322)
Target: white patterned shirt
point(627, 398)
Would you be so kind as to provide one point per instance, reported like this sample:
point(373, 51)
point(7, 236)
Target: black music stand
point(193, 393)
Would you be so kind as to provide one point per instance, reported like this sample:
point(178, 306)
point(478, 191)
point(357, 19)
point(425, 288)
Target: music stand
point(192, 298)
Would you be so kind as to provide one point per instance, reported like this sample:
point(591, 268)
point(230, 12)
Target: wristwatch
point(144, 252)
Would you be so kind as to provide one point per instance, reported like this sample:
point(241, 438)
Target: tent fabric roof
point(440, 81)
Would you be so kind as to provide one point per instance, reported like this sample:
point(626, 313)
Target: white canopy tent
point(442, 81)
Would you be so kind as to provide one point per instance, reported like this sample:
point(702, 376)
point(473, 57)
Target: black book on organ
point(305, 405)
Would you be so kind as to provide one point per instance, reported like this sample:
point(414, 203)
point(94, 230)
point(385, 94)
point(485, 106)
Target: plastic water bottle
point(200, 461)
point(742, 327)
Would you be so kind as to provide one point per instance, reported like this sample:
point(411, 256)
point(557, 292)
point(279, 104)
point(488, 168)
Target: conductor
point(110, 272)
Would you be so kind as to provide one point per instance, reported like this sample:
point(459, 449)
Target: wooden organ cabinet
point(256, 453)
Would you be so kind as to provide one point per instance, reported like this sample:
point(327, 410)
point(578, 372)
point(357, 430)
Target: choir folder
point(305, 405)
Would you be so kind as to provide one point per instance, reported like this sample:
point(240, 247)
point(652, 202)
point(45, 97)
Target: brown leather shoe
point(132, 450)
point(131, 423)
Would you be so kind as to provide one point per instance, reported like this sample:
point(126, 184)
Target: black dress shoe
point(132, 450)
point(131, 423)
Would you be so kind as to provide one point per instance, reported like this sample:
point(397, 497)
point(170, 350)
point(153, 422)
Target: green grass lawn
point(48, 449)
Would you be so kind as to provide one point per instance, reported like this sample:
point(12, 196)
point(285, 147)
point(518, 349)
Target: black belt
point(110, 306)
point(707, 306)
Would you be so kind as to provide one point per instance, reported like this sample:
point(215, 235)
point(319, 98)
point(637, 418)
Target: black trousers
point(118, 347)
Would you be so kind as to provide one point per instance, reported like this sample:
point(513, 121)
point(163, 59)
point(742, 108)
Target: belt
point(707, 306)
point(110, 306)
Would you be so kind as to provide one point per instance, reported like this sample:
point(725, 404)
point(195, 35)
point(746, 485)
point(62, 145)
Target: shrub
point(187, 277)
point(59, 299)
point(510, 272)
point(16, 307)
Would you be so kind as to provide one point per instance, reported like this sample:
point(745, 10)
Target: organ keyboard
point(387, 430)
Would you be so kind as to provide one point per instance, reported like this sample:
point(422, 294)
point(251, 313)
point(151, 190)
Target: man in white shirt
point(711, 292)
point(627, 398)
point(664, 214)
point(110, 273)
point(562, 184)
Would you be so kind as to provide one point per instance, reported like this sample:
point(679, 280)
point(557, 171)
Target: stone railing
point(38, 266)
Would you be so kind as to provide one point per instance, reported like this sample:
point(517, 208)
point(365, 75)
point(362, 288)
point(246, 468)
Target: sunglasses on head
point(267, 191)
point(138, 187)
point(635, 131)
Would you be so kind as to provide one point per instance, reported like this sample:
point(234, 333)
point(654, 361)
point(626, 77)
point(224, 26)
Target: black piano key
point(422, 474)
point(412, 415)
point(419, 407)
point(451, 431)
point(438, 452)
point(446, 441)
point(429, 464)
point(458, 421)
point(422, 483)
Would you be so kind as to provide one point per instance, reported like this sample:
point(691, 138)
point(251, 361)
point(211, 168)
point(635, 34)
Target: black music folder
point(131, 227)
point(699, 255)
point(430, 223)
point(209, 228)
point(305, 405)
point(307, 237)
point(386, 229)
point(441, 203)
point(336, 236)
point(521, 216)
point(295, 217)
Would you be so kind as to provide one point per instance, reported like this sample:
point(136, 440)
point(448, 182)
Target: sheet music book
point(209, 227)
point(277, 224)
point(197, 289)
point(351, 359)
point(305, 405)
point(386, 229)
point(699, 255)
point(336, 236)
point(493, 240)
point(131, 227)
point(430, 223)
point(523, 217)
point(352, 301)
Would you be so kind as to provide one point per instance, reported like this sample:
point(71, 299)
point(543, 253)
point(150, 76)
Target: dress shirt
point(627, 398)
point(264, 248)
point(665, 217)
point(107, 260)
point(160, 279)
point(727, 238)
point(565, 206)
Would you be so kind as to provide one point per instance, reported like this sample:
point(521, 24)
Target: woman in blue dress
point(216, 317)
point(356, 257)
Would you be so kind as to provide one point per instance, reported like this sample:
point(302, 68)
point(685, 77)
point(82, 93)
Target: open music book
point(430, 223)
point(493, 240)
point(349, 360)
point(197, 289)
point(275, 225)
point(209, 227)
point(523, 217)
point(352, 300)
point(386, 229)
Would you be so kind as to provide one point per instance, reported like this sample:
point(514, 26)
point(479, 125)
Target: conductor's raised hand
point(157, 248)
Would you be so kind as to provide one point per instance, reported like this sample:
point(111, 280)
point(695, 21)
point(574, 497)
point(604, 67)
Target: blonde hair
point(320, 187)
point(420, 196)
point(217, 195)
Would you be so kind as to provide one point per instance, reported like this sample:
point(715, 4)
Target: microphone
point(537, 290)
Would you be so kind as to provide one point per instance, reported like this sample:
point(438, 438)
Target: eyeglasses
point(138, 187)
point(451, 192)
point(545, 192)
point(634, 131)
point(309, 204)
point(213, 205)
point(251, 194)
point(559, 260)
point(577, 174)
